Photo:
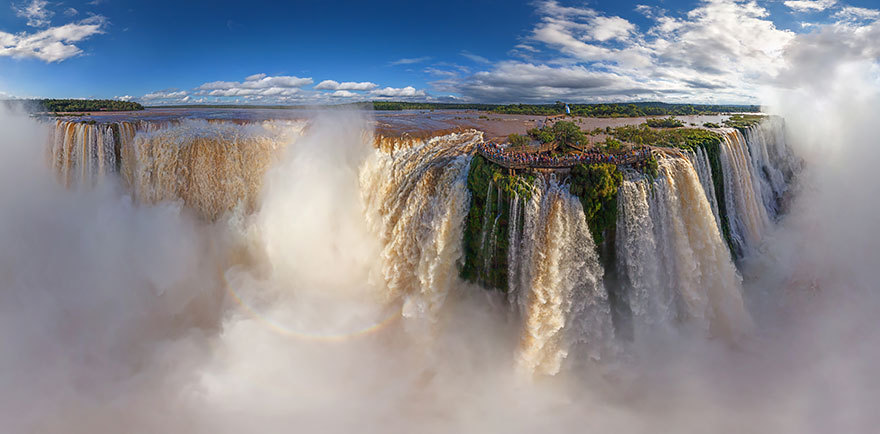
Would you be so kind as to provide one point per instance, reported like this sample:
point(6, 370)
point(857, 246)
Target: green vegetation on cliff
point(650, 167)
point(743, 122)
point(713, 152)
point(596, 186)
point(487, 225)
point(87, 105)
point(684, 138)
point(669, 122)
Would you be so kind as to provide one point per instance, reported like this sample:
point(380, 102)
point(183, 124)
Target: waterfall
point(746, 211)
point(651, 298)
point(83, 153)
point(211, 166)
point(489, 253)
point(700, 160)
point(484, 229)
point(561, 295)
point(772, 161)
point(515, 239)
point(675, 262)
point(416, 202)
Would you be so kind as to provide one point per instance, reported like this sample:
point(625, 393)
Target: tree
point(612, 144)
point(543, 135)
point(518, 140)
point(568, 133)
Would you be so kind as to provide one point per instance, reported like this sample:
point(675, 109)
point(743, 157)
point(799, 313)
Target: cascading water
point(560, 290)
point(772, 161)
point(670, 254)
point(700, 160)
point(673, 256)
point(746, 211)
point(85, 153)
point(211, 166)
point(416, 202)
point(514, 234)
point(651, 300)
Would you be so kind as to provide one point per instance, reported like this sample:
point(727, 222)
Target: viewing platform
point(535, 160)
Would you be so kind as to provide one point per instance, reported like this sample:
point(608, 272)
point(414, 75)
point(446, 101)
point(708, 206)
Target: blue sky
point(164, 52)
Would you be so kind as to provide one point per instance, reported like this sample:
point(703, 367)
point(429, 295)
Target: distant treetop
point(611, 110)
point(86, 105)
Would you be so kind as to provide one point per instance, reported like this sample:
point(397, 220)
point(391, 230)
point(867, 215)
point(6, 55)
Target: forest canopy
point(86, 105)
point(589, 110)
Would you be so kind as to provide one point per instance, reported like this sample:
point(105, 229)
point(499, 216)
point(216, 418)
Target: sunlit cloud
point(35, 12)
point(404, 92)
point(474, 57)
point(168, 94)
point(54, 44)
point(348, 85)
point(810, 5)
point(410, 61)
point(255, 85)
point(265, 89)
point(717, 52)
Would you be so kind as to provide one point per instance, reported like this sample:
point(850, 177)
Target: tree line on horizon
point(588, 110)
point(558, 108)
point(83, 105)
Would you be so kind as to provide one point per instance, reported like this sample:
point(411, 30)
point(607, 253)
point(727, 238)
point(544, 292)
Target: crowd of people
point(499, 153)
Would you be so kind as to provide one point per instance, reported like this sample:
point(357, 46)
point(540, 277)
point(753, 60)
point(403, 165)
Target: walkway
point(511, 160)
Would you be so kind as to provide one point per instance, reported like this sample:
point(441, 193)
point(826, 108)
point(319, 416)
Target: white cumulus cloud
point(255, 85)
point(344, 94)
point(167, 94)
point(850, 13)
point(347, 85)
point(54, 44)
point(403, 92)
point(716, 52)
point(35, 12)
point(810, 5)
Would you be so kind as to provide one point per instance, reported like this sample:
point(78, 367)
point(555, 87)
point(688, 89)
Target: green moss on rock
point(596, 186)
point(485, 251)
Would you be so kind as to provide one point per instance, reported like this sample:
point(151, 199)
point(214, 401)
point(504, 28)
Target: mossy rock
point(491, 189)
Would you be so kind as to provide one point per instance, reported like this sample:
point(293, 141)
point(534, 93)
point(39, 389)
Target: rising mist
point(122, 316)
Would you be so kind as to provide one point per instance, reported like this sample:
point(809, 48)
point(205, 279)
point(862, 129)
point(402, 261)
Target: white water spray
point(562, 297)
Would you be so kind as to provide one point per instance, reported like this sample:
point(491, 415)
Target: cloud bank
point(722, 51)
point(265, 89)
point(54, 44)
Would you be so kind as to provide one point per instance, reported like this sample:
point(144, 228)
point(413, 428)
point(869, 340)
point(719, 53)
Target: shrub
point(518, 140)
point(669, 122)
